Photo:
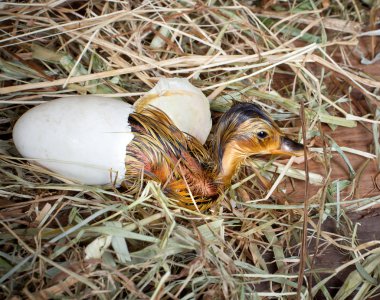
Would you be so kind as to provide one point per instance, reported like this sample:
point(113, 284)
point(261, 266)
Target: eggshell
point(186, 106)
point(83, 138)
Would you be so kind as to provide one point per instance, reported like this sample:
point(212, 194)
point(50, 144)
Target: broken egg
point(84, 138)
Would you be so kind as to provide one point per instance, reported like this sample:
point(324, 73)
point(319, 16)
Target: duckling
point(185, 170)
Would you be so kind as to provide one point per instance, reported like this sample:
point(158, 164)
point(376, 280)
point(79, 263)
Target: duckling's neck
point(230, 160)
point(231, 146)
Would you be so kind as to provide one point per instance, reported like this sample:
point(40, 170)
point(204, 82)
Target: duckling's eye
point(262, 134)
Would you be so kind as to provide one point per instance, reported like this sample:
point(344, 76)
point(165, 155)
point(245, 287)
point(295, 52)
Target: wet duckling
point(185, 170)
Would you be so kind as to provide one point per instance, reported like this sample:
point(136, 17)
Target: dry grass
point(61, 240)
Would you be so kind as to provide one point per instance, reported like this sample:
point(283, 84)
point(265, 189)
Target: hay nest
point(310, 64)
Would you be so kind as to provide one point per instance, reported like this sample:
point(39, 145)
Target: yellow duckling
point(187, 173)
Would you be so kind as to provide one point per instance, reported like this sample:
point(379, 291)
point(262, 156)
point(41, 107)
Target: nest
point(285, 228)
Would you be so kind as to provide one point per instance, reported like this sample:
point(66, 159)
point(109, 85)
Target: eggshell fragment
point(186, 106)
point(83, 138)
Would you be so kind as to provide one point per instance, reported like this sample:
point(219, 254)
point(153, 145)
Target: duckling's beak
point(289, 147)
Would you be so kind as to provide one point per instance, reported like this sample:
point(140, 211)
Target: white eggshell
point(186, 106)
point(82, 138)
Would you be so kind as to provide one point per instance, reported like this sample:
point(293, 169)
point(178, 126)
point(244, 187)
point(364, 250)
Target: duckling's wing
point(198, 151)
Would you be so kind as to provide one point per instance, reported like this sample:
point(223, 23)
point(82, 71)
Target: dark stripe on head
point(246, 111)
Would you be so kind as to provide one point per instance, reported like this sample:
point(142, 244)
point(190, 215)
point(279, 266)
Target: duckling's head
point(247, 130)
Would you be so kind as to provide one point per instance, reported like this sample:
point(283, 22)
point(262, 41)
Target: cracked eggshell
point(82, 138)
point(186, 106)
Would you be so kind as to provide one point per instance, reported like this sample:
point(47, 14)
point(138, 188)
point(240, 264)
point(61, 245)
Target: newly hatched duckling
point(187, 173)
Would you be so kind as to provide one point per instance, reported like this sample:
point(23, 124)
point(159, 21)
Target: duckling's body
point(161, 152)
